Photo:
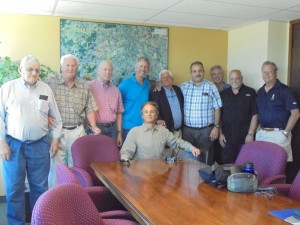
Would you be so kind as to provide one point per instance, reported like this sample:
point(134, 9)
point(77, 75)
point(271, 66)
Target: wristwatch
point(217, 125)
point(285, 133)
point(250, 134)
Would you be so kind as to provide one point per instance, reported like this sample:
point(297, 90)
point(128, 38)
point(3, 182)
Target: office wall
point(39, 35)
point(250, 46)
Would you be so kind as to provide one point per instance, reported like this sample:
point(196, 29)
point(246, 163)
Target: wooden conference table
point(157, 192)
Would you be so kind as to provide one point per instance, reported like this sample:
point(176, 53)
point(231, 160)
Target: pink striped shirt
point(108, 99)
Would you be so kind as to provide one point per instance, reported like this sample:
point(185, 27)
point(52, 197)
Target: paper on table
point(286, 215)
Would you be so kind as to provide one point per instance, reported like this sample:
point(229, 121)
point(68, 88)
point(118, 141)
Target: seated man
point(148, 141)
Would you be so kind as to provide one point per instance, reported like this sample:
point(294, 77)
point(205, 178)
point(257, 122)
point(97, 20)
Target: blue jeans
point(32, 159)
point(107, 131)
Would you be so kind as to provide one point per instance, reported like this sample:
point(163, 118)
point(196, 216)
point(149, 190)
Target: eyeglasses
point(30, 70)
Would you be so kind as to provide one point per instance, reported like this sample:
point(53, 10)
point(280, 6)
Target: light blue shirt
point(24, 111)
point(134, 95)
point(175, 107)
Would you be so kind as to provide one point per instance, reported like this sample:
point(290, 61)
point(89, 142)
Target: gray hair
point(150, 103)
point(236, 71)
point(164, 71)
point(143, 59)
point(269, 63)
point(104, 61)
point(64, 57)
point(28, 59)
point(215, 68)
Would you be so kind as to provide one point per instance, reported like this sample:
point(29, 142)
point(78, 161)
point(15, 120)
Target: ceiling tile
point(276, 4)
point(153, 4)
point(283, 16)
point(220, 9)
point(28, 6)
point(92, 9)
point(193, 19)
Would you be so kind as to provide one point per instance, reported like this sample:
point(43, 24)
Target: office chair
point(68, 204)
point(93, 148)
point(290, 190)
point(269, 161)
point(104, 201)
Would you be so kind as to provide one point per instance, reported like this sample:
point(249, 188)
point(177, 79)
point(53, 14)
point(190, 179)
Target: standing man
point(75, 103)
point(202, 111)
point(135, 92)
point(238, 117)
point(170, 103)
point(278, 110)
point(217, 75)
point(109, 102)
point(149, 140)
point(25, 104)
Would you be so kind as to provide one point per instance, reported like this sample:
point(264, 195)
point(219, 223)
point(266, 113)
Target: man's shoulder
point(186, 84)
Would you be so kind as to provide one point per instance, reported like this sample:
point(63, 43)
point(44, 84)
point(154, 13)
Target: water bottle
point(248, 168)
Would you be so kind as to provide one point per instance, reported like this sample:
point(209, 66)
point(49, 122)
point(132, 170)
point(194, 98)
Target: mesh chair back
point(295, 188)
point(269, 159)
point(94, 148)
point(65, 204)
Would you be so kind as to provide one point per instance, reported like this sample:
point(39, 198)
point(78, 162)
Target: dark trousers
point(200, 139)
point(230, 152)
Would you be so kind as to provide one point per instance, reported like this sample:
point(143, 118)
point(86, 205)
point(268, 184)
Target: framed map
point(122, 44)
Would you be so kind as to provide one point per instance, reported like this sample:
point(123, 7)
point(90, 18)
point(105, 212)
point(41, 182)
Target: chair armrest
point(117, 214)
point(104, 199)
point(283, 189)
point(83, 176)
point(278, 179)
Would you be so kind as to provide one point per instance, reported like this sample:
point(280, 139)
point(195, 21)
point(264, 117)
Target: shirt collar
point(169, 90)
point(61, 80)
point(146, 128)
point(26, 85)
point(102, 83)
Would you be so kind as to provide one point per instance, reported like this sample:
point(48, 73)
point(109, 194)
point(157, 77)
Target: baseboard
point(2, 199)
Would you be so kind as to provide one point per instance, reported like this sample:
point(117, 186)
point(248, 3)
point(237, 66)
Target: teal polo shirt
point(134, 95)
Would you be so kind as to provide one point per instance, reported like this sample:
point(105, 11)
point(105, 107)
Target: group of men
point(37, 119)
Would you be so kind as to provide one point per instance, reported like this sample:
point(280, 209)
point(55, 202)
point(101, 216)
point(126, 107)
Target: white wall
point(278, 44)
point(250, 46)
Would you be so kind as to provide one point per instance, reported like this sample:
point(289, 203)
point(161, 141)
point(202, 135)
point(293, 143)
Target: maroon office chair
point(101, 196)
point(68, 204)
point(269, 161)
point(93, 148)
point(290, 190)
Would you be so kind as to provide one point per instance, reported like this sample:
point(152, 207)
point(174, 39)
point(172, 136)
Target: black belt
point(111, 124)
point(72, 127)
point(176, 129)
point(199, 128)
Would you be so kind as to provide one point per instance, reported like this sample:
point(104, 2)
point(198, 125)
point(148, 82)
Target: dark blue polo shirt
point(274, 106)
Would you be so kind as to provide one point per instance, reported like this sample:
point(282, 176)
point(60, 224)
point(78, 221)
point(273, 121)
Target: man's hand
point(5, 152)
point(119, 139)
point(96, 130)
point(249, 138)
point(161, 122)
point(222, 140)
point(51, 123)
point(54, 147)
point(214, 134)
point(196, 152)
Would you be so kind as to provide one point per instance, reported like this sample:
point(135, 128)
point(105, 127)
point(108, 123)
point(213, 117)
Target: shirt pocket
point(42, 106)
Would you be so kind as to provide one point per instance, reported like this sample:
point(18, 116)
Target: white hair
point(164, 71)
point(63, 58)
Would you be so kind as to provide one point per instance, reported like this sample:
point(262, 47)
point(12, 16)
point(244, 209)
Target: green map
point(122, 44)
